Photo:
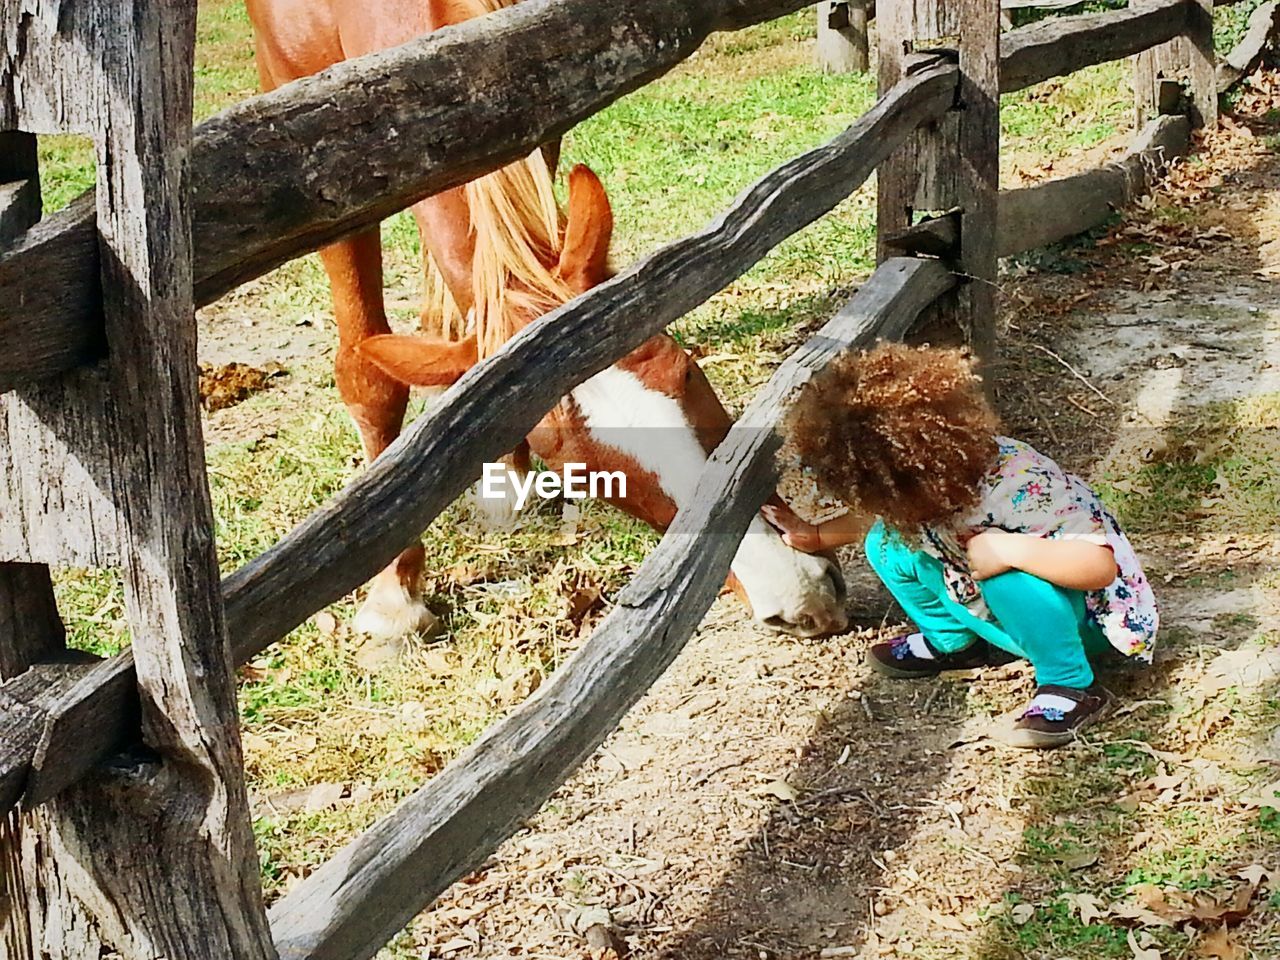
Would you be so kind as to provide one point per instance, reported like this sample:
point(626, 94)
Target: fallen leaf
point(253, 673)
point(326, 623)
point(778, 788)
point(1264, 796)
point(1088, 907)
point(453, 946)
point(1140, 952)
point(1255, 874)
point(944, 920)
point(1231, 910)
point(1078, 861)
point(581, 602)
point(1220, 945)
point(437, 662)
point(1022, 913)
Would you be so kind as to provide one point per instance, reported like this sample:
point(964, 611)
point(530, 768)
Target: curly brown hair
point(903, 433)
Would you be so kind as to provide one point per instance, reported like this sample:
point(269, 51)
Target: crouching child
point(982, 540)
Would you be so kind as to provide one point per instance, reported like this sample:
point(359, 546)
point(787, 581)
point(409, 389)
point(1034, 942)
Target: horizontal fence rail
point(370, 889)
point(341, 545)
point(1045, 213)
point(1062, 45)
point(286, 172)
point(1244, 58)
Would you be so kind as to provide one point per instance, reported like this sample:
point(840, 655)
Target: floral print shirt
point(1026, 492)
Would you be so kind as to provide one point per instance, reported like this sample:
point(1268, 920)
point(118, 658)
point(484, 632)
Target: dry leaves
point(1141, 951)
point(1088, 907)
point(1155, 906)
point(1219, 944)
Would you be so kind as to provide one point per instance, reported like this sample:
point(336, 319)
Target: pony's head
point(653, 415)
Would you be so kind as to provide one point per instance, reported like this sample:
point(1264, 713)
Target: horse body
point(499, 252)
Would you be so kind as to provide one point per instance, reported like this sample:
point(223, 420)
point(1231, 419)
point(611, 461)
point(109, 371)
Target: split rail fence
point(127, 828)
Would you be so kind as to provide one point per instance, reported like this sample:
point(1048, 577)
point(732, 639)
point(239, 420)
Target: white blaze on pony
point(500, 252)
point(784, 588)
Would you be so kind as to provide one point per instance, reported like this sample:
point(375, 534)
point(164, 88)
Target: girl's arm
point(836, 532)
point(1074, 564)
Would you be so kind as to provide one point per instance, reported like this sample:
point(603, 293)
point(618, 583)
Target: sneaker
point(1047, 722)
point(896, 658)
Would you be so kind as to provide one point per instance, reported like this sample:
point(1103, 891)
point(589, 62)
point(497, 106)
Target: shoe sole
point(896, 673)
point(1039, 740)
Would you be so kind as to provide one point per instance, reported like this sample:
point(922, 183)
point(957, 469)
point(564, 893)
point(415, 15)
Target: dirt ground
point(771, 798)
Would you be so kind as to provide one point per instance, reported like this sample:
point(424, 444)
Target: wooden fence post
point(1185, 64)
point(152, 856)
point(30, 629)
point(951, 168)
point(842, 36)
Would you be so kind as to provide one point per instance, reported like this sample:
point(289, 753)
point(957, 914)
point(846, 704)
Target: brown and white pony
point(499, 252)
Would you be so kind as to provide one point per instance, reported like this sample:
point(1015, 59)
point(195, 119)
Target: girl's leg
point(1048, 623)
point(915, 580)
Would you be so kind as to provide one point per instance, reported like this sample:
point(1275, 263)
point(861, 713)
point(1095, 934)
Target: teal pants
point(1034, 619)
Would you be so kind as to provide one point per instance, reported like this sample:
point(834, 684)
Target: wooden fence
point(128, 826)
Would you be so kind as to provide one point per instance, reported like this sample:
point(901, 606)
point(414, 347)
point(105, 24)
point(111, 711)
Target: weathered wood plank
point(933, 237)
point(19, 206)
point(358, 900)
point(30, 628)
point(1246, 56)
point(58, 319)
point(24, 700)
point(344, 543)
point(1062, 45)
point(1045, 213)
point(842, 36)
point(1187, 59)
point(286, 172)
point(924, 177)
point(153, 856)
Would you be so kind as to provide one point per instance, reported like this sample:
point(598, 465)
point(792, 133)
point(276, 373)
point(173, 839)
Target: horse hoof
point(495, 513)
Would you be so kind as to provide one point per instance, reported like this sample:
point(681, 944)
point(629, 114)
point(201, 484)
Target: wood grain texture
point(952, 164)
point(345, 542)
point(1047, 212)
point(286, 172)
point(1058, 46)
point(366, 893)
point(1246, 56)
point(30, 628)
point(841, 46)
point(154, 855)
point(1189, 59)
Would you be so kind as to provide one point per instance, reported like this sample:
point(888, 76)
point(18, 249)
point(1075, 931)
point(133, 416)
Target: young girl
point(979, 537)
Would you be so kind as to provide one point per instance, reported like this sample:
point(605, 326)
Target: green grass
point(1216, 471)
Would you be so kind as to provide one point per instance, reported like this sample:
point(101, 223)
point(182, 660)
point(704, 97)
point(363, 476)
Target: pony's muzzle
point(821, 611)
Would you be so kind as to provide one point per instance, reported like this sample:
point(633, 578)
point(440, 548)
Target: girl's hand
point(795, 532)
point(991, 553)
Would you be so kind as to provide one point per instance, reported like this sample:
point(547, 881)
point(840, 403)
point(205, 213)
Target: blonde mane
point(518, 228)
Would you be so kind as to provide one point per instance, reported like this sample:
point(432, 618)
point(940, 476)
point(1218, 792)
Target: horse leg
point(376, 403)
